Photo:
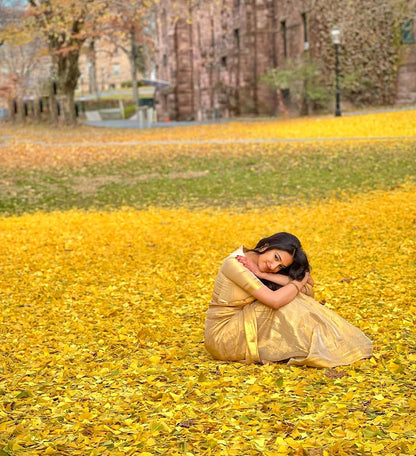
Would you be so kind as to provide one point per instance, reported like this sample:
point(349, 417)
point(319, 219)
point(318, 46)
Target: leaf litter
point(102, 334)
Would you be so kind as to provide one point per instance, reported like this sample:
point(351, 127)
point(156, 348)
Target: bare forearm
point(280, 297)
point(305, 285)
point(283, 280)
point(279, 279)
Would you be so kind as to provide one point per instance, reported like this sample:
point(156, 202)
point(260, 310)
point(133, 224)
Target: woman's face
point(274, 260)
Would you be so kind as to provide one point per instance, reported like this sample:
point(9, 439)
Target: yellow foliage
point(102, 319)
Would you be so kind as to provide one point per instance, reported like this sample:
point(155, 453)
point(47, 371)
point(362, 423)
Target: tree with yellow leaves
point(64, 25)
point(125, 26)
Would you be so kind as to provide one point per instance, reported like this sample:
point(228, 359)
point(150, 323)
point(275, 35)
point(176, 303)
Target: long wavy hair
point(290, 244)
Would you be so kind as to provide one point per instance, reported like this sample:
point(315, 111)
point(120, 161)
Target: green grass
point(253, 175)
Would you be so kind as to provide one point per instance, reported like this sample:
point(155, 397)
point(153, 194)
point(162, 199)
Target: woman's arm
point(279, 279)
point(282, 296)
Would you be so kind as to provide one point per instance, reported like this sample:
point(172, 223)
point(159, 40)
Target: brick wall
point(406, 81)
point(214, 53)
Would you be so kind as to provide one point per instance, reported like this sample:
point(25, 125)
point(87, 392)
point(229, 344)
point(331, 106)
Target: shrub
point(129, 111)
point(304, 82)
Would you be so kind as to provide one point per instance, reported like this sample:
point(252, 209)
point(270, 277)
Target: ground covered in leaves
point(102, 316)
point(238, 164)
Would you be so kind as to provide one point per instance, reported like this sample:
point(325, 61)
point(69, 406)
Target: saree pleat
point(240, 328)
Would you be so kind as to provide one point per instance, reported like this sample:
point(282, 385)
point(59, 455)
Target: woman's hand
point(300, 284)
point(308, 286)
point(250, 265)
point(306, 279)
point(310, 281)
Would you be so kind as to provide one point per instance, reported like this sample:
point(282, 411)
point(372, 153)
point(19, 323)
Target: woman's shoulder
point(230, 260)
point(236, 272)
point(231, 263)
point(239, 251)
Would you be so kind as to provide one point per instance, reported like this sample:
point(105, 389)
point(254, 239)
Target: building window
point(116, 69)
point(164, 23)
point(237, 38)
point(284, 37)
point(408, 34)
point(305, 32)
point(224, 61)
point(165, 60)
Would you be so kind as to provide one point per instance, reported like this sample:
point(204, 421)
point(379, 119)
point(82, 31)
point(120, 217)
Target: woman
point(262, 310)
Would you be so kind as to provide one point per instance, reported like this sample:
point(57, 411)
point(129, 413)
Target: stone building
point(406, 80)
point(105, 67)
point(213, 53)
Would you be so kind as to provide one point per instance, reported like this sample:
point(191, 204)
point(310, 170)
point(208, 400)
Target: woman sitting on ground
point(262, 310)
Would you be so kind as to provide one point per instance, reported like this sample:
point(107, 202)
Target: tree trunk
point(20, 115)
point(133, 57)
point(67, 79)
point(36, 110)
point(211, 64)
point(191, 62)
point(92, 69)
point(53, 111)
point(11, 105)
point(274, 52)
point(68, 108)
point(254, 57)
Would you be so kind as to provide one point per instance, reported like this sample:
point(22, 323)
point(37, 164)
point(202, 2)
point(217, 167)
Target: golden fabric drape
point(240, 328)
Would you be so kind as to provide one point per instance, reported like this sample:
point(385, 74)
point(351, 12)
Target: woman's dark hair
point(288, 243)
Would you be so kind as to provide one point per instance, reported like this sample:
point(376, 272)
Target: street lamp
point(335, 34)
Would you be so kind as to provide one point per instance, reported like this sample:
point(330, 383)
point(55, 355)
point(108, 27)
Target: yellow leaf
point(411, 403)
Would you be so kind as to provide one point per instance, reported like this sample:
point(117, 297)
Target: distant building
point(24, 75)
point(406, 80)
point(214, 53)
point(103, 67)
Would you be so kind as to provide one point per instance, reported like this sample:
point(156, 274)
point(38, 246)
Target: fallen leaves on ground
point(38, 147)
point(242, 175)
point(17, 156)
point(366, 125)
point(102, 334)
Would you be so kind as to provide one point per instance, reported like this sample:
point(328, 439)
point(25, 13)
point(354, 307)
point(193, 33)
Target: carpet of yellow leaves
point(102, 314)
point(102, 334)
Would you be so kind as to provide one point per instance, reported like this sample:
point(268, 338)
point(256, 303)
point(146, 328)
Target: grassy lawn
point(203, 176)
point(110, 242)
point(102, 169)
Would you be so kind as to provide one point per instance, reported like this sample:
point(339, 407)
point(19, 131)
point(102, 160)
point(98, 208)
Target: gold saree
point(240, 328)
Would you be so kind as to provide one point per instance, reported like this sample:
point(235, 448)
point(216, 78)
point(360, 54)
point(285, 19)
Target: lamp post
point(335, 34)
